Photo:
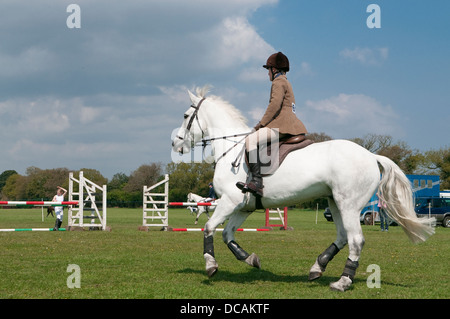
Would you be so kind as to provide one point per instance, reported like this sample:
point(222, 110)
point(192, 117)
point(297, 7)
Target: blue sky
point(412, 78)
point(109, 94)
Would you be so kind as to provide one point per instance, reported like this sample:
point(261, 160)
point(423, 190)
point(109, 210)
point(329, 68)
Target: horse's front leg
point(228, 237)
point(208, 243)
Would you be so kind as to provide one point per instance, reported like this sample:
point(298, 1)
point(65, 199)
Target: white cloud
point(253, 74)
point(239, 43)
point(305, 69)
point(366, 56)
point(89, 114)
point(176, 93)
point(234, 45)
point(123, 45)
point(33, 117)
point(256, 113)
point(108, 95)
point(349, 116)
point(30, 61)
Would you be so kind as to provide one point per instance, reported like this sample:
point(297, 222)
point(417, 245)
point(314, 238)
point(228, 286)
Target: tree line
point(122, 190)
point(126, 190)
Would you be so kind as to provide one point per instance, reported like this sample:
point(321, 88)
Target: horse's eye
point(186, 116)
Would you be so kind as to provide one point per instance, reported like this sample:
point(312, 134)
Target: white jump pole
point(36, 203)
point(28, 229)
point(217, 229)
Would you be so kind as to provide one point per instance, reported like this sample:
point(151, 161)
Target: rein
point(206, 140)
point(238, 158)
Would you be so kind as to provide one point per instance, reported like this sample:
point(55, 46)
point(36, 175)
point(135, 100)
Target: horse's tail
point(395, 191)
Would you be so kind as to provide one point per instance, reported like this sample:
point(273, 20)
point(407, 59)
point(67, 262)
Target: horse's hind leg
point(198, 215)
point(355, 240)
point(228, 238)
point(324, 258)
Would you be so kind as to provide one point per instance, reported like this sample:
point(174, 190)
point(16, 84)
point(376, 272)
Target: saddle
point(285, 146)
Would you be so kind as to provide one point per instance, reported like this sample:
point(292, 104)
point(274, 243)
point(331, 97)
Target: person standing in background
point(59, 210)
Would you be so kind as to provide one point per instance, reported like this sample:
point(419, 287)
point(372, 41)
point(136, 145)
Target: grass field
point(127, 263)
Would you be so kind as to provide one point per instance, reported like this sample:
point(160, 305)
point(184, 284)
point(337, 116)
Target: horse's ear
point(194, 98)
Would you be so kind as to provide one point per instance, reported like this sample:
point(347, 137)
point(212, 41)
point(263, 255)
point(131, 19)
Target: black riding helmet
point(278, 61)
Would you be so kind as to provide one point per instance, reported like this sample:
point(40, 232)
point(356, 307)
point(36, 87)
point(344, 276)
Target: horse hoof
point(211, 265)
point(342, 284)
point(254, 261)
point(211, 271)
point(314, 275)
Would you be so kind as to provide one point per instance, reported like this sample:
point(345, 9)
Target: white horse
point(191, 197)
point(344, 172)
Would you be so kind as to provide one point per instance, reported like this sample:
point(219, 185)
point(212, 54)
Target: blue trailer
point(422, 186)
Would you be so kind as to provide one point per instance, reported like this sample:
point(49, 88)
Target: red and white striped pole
point(192, 204)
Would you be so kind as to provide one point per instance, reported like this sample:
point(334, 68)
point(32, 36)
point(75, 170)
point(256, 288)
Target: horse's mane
point(224, 105)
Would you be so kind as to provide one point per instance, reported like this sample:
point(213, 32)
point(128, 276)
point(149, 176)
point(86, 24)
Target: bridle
point(194, 116)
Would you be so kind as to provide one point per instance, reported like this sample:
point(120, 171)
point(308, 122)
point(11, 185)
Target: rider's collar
point(277, 75)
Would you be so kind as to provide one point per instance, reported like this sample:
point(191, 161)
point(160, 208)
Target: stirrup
point(255, 189)
point(242, 186)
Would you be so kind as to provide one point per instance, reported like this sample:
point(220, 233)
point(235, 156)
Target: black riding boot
point(255, 186)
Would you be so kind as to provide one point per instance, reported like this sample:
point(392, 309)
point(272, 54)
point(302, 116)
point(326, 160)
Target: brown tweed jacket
point(279, 114)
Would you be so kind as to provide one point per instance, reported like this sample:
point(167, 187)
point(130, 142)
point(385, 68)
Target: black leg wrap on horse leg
point(325, 257)
point(238, 252)
point(208, 245)
point(350, 269)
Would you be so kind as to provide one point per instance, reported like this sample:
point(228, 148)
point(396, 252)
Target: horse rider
point(279, 120)
point(210, 198)
point(211, 193)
